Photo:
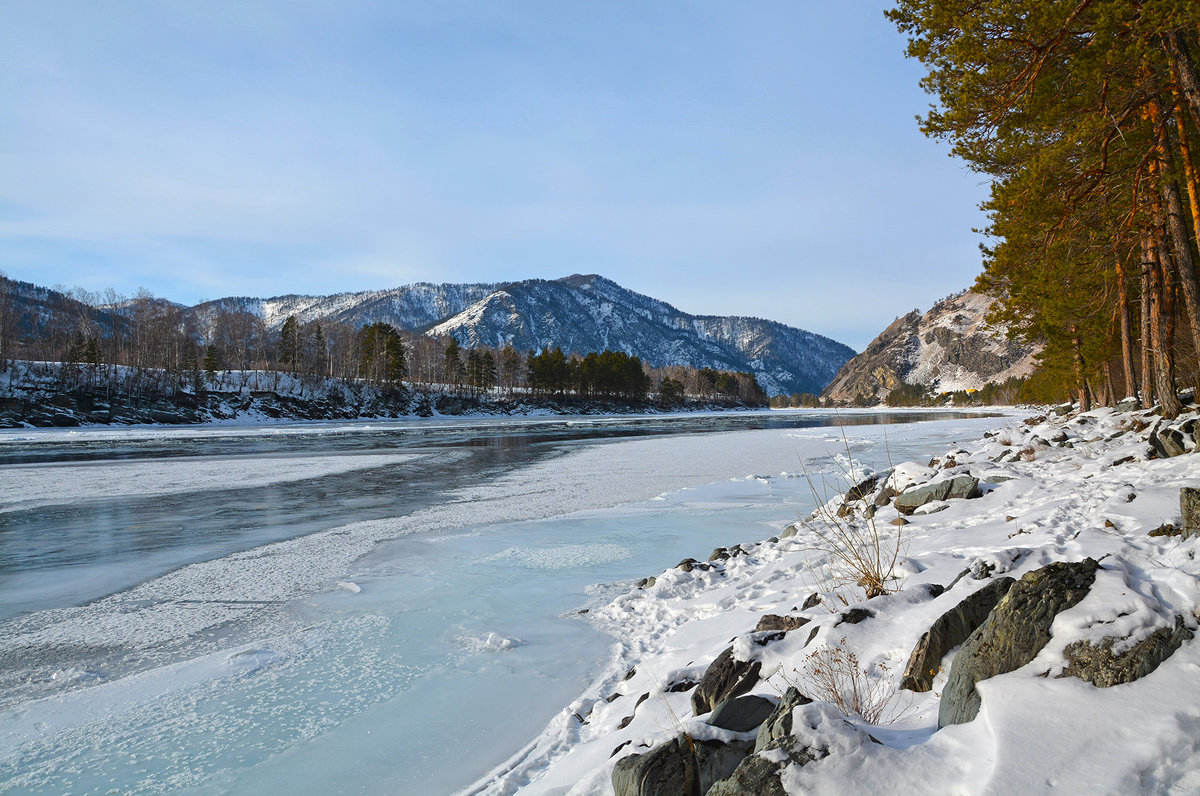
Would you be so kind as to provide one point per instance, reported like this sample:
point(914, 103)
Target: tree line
point(1085, 115)
point(191, 348)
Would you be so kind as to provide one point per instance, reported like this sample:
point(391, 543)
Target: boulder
point(682, 766)
point(777, 622)
point(948, 631)
point(854, 616)
point(1168, 441)
point(1013, 633)
point(960, 486)
point(1127, 404)
point(1189, 510)
point(741, 714)
point(813, 601)
point(779, 724)
point(863, 488)
point(754, 776)
point(1099, 665)
point(723, 679)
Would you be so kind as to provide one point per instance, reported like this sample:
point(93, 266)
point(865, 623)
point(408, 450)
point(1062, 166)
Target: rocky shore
point(1013, 616)
point(47, 402)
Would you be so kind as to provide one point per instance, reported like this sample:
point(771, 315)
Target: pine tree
point(289, 343)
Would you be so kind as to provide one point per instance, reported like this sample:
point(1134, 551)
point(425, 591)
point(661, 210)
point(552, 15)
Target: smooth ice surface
point(408, 636)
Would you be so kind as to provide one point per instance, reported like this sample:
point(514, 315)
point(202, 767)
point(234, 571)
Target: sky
point(729, 158)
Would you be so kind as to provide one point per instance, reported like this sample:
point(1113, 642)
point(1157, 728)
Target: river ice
point(404, 654)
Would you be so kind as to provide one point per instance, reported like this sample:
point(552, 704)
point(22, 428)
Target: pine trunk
point(1161, 311)
point(1126, 321)
point(1107, 394)
point(1184, 71)
point(1181, 247)
point(1081, 385)
point(1147, 326)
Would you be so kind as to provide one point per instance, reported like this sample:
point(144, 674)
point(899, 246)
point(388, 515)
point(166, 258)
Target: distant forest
point(167, 346)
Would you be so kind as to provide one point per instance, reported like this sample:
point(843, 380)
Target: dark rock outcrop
point(779, 724)
point(1169, 441)
point(1099, 665)
point(723, 679)
point(741, 714)
point(777, 622)
point(1013, 633)
point(960, 486)
point(948, 631)
point(682, 766)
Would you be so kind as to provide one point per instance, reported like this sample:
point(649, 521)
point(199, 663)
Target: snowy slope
point(949, 348)
point(1063, 489)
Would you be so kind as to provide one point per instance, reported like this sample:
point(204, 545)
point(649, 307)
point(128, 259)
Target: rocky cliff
point(949, 348)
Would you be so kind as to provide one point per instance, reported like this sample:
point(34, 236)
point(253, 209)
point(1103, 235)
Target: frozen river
point(357, 607)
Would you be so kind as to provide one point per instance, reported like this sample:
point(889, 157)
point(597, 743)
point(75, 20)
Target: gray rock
point(779, 724)
point(741, 714)
point(813, 600)
point(1168, 441)
point(1013, 633)
point(960, 486)
point(777, 622)
point(1127, 404)
point(1099, 665)
point(854, 616)
point(682, 766)
point(948, 631)
point(720, 554)
point(723, 679)
point(1063, 409)
point(754, 776)
point(1189, 509)
point(758, 776)
point(860, 490)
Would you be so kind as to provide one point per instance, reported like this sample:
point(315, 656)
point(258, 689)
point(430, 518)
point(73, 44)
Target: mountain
point(949, 348)
point(577, 313)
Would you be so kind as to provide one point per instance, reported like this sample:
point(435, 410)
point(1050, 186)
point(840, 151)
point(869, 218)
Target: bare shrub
point(863, 553)
point(834, 674)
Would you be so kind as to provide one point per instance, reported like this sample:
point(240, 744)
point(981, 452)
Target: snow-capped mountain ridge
point(577, 313)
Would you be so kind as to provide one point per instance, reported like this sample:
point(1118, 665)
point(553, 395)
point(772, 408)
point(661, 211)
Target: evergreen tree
point(381, 358)
point(452, 364)
point(289, 343)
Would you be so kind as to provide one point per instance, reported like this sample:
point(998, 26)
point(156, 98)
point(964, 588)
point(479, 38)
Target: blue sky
point(730, 158)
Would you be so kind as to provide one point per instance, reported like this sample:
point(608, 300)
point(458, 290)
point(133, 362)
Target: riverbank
point(50, 395)
point(764, 627)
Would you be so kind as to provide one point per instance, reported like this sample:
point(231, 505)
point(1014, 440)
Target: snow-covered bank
point(1058, 489)
point(54, 395)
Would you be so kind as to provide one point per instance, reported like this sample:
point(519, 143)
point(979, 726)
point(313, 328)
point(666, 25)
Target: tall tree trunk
point(1184, 71)
point(1162, 323)
point(1107, 392)
point(1180, 241)
point(1147, 323)
point(1126, 332)
point(1081, 385)
point(1189, 173)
